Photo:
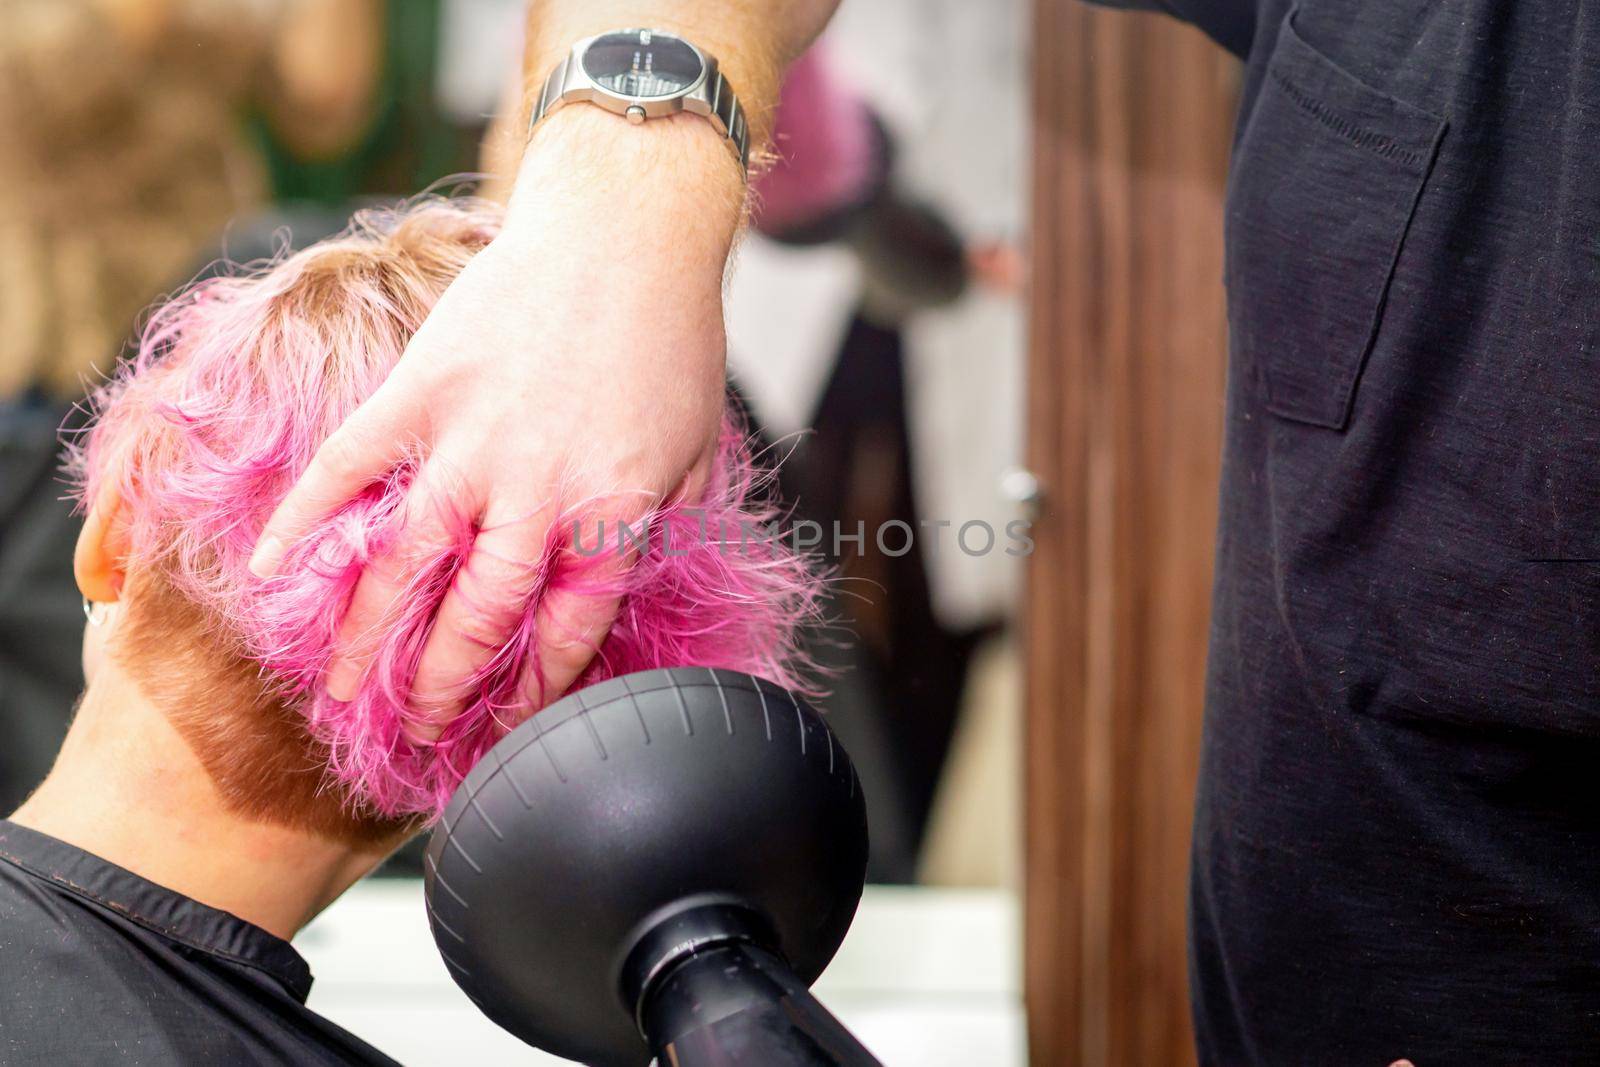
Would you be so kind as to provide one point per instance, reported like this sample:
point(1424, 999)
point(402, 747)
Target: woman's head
point(234, 386)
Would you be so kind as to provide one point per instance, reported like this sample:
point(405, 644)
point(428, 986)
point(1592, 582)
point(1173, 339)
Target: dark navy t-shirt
point(1397, 839)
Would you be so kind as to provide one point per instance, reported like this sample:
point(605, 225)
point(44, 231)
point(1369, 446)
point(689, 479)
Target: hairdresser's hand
point(581, 351)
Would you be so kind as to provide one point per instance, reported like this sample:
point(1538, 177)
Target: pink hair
point(235, 384)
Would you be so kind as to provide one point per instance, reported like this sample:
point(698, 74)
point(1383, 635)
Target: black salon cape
point(99, 966)
point(1397, 841)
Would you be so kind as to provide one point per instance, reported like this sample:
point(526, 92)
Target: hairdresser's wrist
point(660, 199)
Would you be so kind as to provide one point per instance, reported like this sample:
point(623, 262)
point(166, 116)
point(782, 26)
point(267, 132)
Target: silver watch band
point(711, 97)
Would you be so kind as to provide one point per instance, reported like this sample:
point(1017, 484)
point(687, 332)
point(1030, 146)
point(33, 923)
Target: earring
point(91, 612)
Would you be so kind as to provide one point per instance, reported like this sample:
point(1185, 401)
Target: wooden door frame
point(1132, 119)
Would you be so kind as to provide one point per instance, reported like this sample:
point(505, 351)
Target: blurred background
point(876, 340)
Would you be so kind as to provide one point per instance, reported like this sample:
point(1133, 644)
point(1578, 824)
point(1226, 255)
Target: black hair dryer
point(659, 865)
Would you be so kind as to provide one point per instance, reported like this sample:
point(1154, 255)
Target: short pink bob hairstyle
point(234, 385)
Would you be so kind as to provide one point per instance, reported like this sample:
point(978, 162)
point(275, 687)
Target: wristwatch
point(647, 74)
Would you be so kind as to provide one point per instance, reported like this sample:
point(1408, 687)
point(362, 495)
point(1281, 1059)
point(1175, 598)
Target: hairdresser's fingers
point(479, 614)
point(573, 620)
point(370, 443)
point(571, 625)
point(435, 505)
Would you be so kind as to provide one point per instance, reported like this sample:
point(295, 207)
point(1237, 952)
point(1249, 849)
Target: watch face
point(640, 63)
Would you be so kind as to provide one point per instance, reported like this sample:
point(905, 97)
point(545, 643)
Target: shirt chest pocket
point(1325, 179)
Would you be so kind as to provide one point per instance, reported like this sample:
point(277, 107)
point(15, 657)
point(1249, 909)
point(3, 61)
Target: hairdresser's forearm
point(657, 204)
point(679, 167)
point(668, 192)
point(630, 227)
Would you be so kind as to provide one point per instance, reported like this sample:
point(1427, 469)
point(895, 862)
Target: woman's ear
point(97, 562)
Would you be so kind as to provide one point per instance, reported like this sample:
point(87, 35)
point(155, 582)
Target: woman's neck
point(127, 788)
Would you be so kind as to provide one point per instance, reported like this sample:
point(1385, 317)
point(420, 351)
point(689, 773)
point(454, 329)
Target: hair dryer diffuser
point(658, 865)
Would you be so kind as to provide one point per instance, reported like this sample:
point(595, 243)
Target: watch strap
point(714, 99)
